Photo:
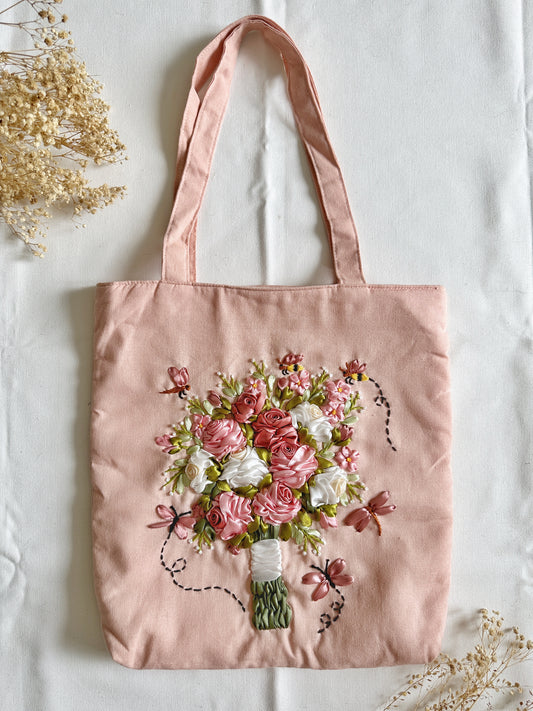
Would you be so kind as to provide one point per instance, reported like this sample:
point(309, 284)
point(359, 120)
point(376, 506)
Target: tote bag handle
point(198, 136)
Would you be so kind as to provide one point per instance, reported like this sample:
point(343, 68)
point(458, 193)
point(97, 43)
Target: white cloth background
point(427, 105)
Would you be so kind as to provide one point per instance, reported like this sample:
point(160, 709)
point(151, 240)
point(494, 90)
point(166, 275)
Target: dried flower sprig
point(51, 116)
point(450, 684)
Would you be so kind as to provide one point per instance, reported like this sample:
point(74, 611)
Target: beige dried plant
point(53, 124)
point(450, 684)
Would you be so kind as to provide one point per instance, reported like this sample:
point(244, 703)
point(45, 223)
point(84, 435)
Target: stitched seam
point(200, 285)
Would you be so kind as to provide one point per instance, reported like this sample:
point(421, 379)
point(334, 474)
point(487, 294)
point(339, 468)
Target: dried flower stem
point(449, 684)
point(51, 114)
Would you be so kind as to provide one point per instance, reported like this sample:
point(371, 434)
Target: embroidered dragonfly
point(330, 576)
point(360, 518)
point(180, 378)
point(181, 524)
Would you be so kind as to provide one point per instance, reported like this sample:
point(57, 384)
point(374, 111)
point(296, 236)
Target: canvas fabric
point(198, 614)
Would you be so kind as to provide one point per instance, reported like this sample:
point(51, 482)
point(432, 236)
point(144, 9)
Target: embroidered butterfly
point(181, 524)
point(360, 518)
point(331, 576)
point(180, 378)
point(353, 371)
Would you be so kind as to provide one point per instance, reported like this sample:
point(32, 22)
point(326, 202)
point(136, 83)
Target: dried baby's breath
point(450, 684)
point(53, 123)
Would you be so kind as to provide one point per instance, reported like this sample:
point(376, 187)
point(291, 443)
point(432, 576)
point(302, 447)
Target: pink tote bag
point(271, 479)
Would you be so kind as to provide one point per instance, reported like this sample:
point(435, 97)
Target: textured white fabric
point(266, 561)
point(428, 108)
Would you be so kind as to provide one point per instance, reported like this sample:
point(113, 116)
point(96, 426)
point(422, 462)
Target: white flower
point(196, 467)
point(328, 486)
point(312, 417)
point(244, 469)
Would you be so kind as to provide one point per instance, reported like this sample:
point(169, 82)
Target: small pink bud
point(214, 398)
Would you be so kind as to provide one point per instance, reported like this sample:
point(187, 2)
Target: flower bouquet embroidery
point(271, 458)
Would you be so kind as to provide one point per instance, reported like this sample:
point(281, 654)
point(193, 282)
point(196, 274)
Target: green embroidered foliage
point(306, 536)
point(270, 605)
point(197, 407)
point(204, 534)
point(285, 531)
point(232, 387)
point(177, 480)
point(305, 438)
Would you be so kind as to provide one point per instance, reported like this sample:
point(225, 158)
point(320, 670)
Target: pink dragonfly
point(180, 378)
point(353, 371)
point(181, 524)
point(332, 575)
point(360, 518)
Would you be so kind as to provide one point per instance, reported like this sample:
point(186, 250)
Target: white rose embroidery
point(312, 417)
point(196, 467)
point(245, 469)
point(328, 486)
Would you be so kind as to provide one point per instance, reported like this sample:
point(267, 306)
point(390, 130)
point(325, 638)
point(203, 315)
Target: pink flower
point(164, 441)
point(198, 512)
point(298, 382)
point(337, 390)
point(276, 504)
point(273, 428)
point(222, 437)
point(229, 515)
point(248, 404)
point(327, 521)
point(256, 385)
point(180, 524)
point(347, 459)
point(334, 411)
point(199, 424)
point(293, 465)
point(214, 398)
point(345, 432)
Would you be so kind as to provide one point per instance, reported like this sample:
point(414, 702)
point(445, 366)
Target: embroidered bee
point(180, 378)
point(291, 363)
point(354, 371)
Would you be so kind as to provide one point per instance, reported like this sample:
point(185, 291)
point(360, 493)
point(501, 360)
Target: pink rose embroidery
point(222, 437)
point(276, 504)
point(199, 423)
point(293, 465)
point(274, 427)
point(248, 404)
point(229, 515)
point(347, 459)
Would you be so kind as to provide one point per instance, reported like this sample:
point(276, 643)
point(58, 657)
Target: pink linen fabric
point(396, 608)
